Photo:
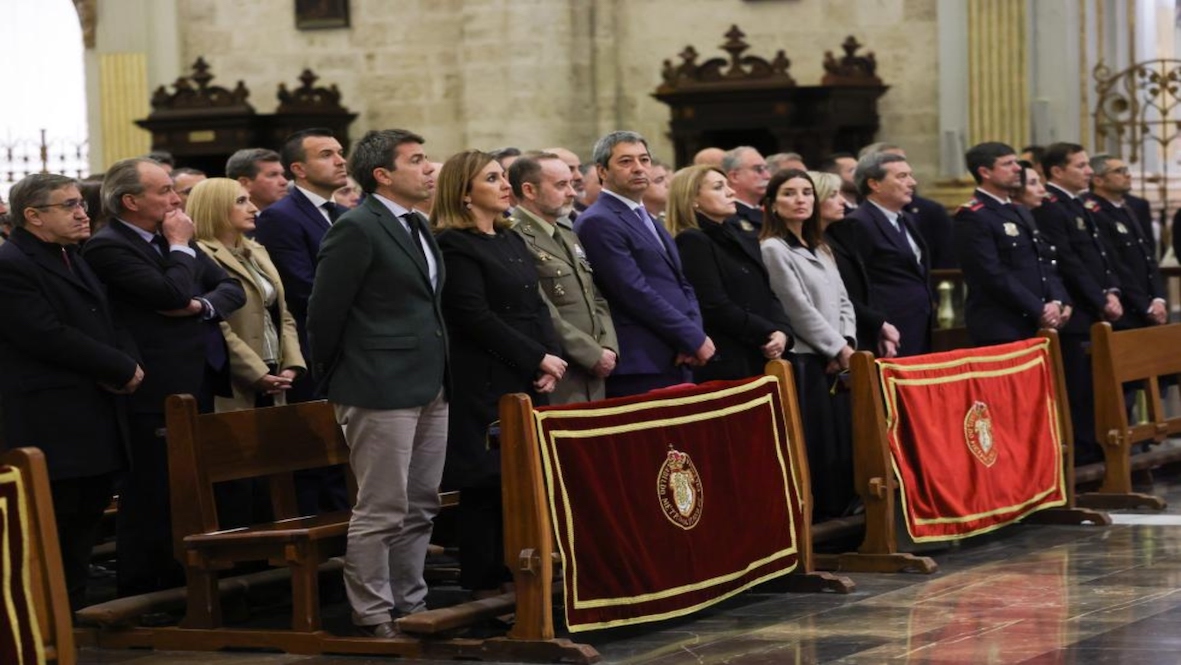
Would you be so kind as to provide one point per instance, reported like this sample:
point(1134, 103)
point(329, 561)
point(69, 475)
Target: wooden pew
point(269, 443)
point(529, 538)
point(1143, 355)
point(878, 487)
point(46, 579)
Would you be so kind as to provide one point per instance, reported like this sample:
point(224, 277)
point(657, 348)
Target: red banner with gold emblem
point(974, 437)
point(666, 503)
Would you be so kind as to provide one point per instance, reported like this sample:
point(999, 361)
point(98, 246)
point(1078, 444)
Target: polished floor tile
point(1030, 594)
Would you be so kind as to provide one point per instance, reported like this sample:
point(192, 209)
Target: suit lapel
point(393, 226)
point(144, 247)
point(543, 244)
point(310, 212)
point(887, 229)
point(223, 256)
point(51, 261)
point(633, 222)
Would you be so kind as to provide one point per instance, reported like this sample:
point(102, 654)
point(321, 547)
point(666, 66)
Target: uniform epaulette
point(1091, 204)
point(1052, 197)
point(972, 205)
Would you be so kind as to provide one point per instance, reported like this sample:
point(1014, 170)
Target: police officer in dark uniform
point(1013, 287)
point(1143, 289)
point(1088, 267)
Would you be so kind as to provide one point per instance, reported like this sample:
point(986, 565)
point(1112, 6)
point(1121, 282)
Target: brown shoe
point(385, 630)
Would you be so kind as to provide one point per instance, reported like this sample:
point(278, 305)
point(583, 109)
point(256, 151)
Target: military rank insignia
point(746, 226)
point(1011, 229)
point(972, 205)
point(1119, 226)
point(1082, 224)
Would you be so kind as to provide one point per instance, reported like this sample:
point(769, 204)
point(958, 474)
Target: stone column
point(998, 62)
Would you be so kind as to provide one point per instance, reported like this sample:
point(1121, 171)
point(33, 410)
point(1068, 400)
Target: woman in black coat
point(501, 341)
point(742, 315)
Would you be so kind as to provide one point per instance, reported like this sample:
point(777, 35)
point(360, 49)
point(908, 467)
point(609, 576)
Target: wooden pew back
point(46, 579)
point(267, 443)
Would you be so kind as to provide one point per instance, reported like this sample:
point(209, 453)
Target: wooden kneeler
point(1117, 358)
point(878, 487)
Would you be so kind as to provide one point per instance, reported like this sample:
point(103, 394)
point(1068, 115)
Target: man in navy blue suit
point(637, 268)
point(897, 257)
point(291, 230)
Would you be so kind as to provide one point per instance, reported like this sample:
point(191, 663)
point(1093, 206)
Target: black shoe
point(385, 630)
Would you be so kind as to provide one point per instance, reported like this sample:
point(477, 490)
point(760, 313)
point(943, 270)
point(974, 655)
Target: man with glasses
point(747, 173)
point(1142, 289)
point(65, 366)
point(170, 297)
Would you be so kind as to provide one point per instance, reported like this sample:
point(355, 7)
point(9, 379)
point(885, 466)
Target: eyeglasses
point(66, 206)
point(759, 168)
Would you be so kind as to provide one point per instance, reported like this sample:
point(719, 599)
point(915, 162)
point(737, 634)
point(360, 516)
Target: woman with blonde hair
point(741, 313)
point(845, 239)
point(502, 340)
point(805, 277)
point(260, 336)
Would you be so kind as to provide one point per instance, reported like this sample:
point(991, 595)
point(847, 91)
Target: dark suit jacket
point(747, 219)
point(934, 225)
point(1142, 212)
point(848, 242)
point(1084, 257)
point(1007, 271)
point(57, 344)
point(500, 330)
point(899, 283)
point(375, 324)
point(292, 229)
point(653, 305)
point(725, 267)
point(141, 283)
point(1139, 274)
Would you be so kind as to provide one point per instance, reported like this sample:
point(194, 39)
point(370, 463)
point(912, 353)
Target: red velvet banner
point(974, 437)
point(666, 503)
point(20, 635)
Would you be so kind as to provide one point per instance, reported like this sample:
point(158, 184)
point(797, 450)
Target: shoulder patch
point(1091, 204)
point(1052, 197)
point(972, 205)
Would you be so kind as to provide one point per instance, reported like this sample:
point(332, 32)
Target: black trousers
point(78, 505)
point(1080, 391)
point(143, 527)
point(481, 539)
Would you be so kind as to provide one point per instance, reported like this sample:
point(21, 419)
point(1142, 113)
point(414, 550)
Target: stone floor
point(1028, 594)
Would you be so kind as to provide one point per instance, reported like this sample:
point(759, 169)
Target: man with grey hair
point(170, 297)
point(747, 173)
point(930, 218)
point(261, 172)
point(1142, 289)
point(379, 350)
point(58, 327)
point(893, 251)
point(638, 269)
point(580, 315)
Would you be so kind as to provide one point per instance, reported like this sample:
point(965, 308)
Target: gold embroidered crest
point(978, 433)
point(1011, 229)
point(679, 489)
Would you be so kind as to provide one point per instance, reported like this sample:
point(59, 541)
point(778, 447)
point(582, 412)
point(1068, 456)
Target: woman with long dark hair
point(805, 277)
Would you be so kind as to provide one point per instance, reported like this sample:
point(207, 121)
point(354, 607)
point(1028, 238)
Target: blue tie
point(651, 226)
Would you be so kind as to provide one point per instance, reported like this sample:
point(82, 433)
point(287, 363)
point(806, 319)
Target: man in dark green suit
point(379, 350)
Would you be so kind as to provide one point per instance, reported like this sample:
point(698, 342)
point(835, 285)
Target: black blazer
point(1007, 269)
point(1139, 274)
point(141, 283)
point(898, 282)
point(500, 329)
point(934, 225)
point(1142, 211)
point(739, 309)
point(57, 344)
point(1085, 258)
point(748, 219)
point(847, 240)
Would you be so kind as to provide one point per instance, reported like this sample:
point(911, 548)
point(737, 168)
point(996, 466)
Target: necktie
point(334, 211)
point(66, 260)
point(646, 219)
point(415, 225)
point(161, 245)
point(561, 243)
point(901, 220)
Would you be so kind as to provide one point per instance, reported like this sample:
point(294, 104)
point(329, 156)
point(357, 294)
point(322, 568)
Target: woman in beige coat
point(263, 346)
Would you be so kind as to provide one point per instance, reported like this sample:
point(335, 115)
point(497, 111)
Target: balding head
point(576, 179)
point(709, 157)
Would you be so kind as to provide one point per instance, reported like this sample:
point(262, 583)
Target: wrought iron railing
point(22, 156)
